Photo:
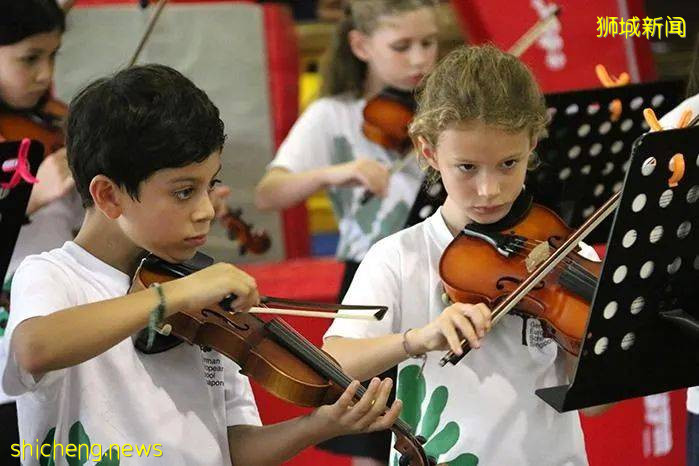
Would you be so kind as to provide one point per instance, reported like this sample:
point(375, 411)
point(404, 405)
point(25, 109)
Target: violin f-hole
point(208, 312)
point(500, 285)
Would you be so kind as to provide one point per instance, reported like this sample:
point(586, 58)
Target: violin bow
point(534, 32)
point(376, 316)
point(147, 33)
point(292, 307)
point(315, 309)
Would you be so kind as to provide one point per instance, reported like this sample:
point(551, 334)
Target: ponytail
point(341, 70)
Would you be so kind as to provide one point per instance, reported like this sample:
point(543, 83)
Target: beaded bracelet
point(155, 319)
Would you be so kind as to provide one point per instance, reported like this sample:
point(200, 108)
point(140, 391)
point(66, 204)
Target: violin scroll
point(248, 238)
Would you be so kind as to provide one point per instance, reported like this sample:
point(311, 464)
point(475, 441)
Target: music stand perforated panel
point(585, 156)
point(651, 266)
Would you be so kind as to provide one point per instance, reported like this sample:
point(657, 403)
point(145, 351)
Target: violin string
point(531, 242)
point(292, 337)
point(577, 275)
point(579, 279)
point(574, 268)
point(567, 260)
point(331, 369)
point(573, 271)
point(310, 352)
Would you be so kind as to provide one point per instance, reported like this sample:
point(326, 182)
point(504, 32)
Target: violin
point(386, 119)
point(257, 242)
point(43, 124)
point(272, 353)
point(503, 256)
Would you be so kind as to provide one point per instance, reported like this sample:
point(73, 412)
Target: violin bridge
point(537, 255)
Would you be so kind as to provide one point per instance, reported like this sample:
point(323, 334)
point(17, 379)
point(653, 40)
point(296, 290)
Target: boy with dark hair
point(144, 147)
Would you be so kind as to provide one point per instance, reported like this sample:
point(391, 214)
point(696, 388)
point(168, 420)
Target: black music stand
point(13, 202)
point(642, 335)
point(583, 158)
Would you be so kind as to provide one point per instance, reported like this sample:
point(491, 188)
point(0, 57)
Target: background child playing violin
point(70, 357)
point(378, 44)
point(30, 35)
point(480, 115)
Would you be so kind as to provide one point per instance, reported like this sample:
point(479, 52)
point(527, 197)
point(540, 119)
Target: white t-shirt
point(329, 132)
point(182, 399)
point(669, 121)
point(49, 228)
point(482, 410)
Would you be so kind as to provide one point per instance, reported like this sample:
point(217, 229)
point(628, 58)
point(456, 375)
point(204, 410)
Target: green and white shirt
point(482, 411)
point(176, 404)
point(328, 133)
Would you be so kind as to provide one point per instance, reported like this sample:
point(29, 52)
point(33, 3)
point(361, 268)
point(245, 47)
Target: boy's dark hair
point(136, 122)
point(20, 19)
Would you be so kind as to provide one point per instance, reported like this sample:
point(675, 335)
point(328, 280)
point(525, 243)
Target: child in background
point(378, 44)
point(30, 35)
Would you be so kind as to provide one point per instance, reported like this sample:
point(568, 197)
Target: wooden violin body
point(244, 338)
point(386, 119)
point(476, 268)
point(44, 125)
point(270, 352)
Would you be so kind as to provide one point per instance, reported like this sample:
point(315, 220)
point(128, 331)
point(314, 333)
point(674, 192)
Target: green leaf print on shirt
point(341, 198)
point(5, 305)
point(393, 221)
point(412, 391)
point(7, 284)
point(48, 440)
point(342, 151)
point(366, 214)
point(467, 459)
point(4, 317)
point(77, 436)
point(111, 458)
